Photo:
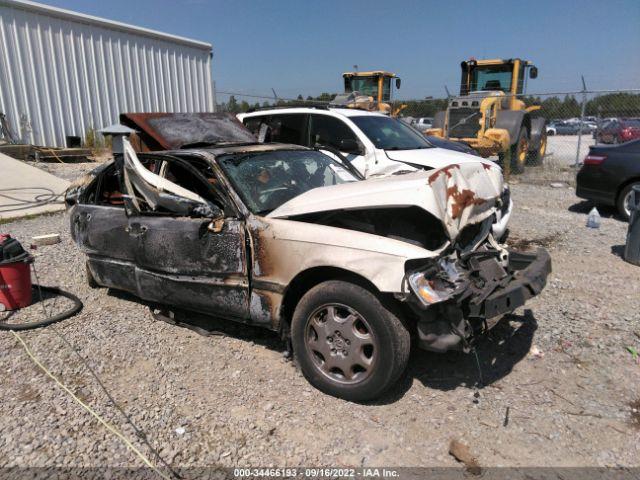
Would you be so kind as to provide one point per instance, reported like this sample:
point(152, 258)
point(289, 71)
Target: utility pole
point(582, 112)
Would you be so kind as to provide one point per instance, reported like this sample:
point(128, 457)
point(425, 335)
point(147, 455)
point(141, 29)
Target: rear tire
point(536, 157)
point(623, 198)
point(347, 343)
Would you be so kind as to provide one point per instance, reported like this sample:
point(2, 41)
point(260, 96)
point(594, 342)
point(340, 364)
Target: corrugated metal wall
point(61, 74)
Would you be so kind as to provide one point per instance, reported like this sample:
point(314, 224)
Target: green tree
point(232, 105)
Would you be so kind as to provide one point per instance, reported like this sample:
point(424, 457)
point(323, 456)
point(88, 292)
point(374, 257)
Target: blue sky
point(304, 46)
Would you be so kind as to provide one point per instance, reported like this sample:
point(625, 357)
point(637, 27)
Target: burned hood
point(170, 131)
point(457, 195)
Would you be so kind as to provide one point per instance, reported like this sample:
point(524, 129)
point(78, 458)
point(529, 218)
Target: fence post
point(582, 112)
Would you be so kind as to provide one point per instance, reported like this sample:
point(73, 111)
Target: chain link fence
point(574, 120)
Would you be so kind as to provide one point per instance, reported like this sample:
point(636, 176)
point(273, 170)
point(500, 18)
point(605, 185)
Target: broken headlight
point(435, 287)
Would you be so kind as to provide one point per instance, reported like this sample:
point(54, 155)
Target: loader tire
point(536, 157)
point(518, 153)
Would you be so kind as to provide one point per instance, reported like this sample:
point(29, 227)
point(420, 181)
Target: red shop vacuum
point(16, 290)
point(15, 274)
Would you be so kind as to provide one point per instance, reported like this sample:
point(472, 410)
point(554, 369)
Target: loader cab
point(377, 84)
point(507, 76)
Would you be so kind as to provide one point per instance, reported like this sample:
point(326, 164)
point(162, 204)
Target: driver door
point(191, 256)
point(325, 130)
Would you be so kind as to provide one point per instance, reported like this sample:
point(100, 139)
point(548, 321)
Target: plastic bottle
point(593, 220)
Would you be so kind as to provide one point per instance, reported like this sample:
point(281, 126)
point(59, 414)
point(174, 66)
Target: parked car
point(609, 173)
point(282, 236)
point(423, 123)
point(375, 144)
point(618, 131)
point(408, 120)
point(563, 128)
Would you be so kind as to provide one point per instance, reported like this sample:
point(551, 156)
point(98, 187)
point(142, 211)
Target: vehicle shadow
point(498, 352)
point(618, 250)
point(206, 325)
point(584, 206)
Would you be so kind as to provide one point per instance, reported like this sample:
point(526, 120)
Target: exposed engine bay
point(411, 224)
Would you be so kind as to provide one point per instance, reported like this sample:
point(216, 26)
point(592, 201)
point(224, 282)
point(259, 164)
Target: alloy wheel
point(341, 343)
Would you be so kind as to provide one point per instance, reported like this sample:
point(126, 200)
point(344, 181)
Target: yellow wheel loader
point(489, 117)
point(369, 91)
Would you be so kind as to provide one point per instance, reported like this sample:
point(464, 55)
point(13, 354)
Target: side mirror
point(533, 72)
point(398, 83)
point(349, 145)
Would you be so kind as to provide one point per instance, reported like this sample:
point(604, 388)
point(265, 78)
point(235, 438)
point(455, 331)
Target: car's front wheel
point(347, 343)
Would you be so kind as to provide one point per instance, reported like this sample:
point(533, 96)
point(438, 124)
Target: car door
point(99, 225)
point(326, 130)
point(188, 254)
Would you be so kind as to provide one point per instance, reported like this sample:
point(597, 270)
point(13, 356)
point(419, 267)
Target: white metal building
point(63, 72)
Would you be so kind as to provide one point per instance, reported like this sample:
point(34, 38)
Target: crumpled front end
point(458, 296)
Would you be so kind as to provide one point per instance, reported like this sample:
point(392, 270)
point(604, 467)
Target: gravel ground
point(559, 369)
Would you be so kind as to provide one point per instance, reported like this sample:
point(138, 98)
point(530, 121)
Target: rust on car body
point(443, 171)
point(462, 199)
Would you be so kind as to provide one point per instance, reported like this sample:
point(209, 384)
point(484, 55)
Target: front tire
point(518, 153)
point(347, 343)
point(536, 157)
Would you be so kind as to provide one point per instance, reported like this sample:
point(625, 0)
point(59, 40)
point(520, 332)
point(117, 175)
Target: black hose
point(40, 199)
point(77, 306)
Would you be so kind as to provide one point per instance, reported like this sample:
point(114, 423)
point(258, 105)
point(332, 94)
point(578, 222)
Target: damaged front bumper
point(480, 288)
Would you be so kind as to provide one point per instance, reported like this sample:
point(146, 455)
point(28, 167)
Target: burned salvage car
point(349, 271)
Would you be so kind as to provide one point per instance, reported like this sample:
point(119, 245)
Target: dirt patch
point(528, 243)
point(27, 394)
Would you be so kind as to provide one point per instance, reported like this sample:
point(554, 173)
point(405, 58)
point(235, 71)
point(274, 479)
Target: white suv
point(375, 144)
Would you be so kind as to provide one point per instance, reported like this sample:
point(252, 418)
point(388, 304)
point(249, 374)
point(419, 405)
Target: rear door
point(189, 253)
point(282, 128)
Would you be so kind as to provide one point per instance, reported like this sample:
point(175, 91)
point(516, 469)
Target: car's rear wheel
point(347, 343)
point(623, 204)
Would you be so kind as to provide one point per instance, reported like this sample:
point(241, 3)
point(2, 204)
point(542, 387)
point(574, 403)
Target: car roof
point(346, 112)
point(170, 131)
point(229, 149)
